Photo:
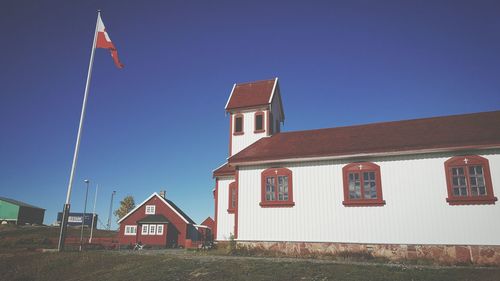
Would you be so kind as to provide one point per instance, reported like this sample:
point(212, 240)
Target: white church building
point(423, 188)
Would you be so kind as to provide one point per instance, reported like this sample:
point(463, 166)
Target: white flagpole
point(65, 214)
point(93, 214)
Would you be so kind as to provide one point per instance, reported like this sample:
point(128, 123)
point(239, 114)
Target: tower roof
point(252, 94)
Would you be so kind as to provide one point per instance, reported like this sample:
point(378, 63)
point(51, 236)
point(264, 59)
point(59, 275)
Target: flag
point(104, 42)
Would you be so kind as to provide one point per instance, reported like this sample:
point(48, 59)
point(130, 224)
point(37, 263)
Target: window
point(469, 181)
point(238, 124)
point(362, 185)
point(145, 229)
point(259, 122)
point(150, 209)
point(130, 230)
point(233, 197)
point(152, 229)
point(277, 188)
point(159, 229)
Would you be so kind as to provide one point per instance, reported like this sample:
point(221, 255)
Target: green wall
point(8, 211)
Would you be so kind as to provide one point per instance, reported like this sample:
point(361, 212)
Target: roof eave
point(361, 155)
point(251, 107)
point(226, 174)
point(162, 199)
point(230, 95)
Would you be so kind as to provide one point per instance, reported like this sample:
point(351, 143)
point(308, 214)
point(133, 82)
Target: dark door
point(172, 236)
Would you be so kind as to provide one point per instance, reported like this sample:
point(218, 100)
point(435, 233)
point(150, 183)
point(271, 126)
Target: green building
point(13, 211)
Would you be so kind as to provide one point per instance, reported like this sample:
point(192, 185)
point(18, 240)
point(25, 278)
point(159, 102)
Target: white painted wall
point(416, 211)
point(225, 221)
point(240, 142)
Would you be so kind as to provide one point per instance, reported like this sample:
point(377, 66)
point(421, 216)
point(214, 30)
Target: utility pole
point(110, 210)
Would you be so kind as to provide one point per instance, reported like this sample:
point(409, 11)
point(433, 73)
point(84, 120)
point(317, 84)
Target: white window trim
point(158, 227)
point(152, 229)
point(130, 230)
point(145, 227)
point(150, 209)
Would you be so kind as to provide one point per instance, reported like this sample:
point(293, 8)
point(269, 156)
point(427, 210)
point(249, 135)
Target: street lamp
point(110, 210)
point(93, 215)
point(84, 211)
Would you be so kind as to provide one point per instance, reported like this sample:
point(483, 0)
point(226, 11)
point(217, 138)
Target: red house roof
point(477, 130)
point(251, 94)
point(224, 170)
point(208, 222)
point(167, 202)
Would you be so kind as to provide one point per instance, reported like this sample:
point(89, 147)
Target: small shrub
point(231, 248)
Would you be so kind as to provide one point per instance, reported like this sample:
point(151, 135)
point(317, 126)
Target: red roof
point(477, 130)
point(209, 222)
point(251, 94)
point(224, 170)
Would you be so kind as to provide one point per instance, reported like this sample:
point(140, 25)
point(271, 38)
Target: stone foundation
point(440, 254)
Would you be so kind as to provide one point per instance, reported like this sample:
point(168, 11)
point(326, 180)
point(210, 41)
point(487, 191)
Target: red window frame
point(233, 190)
point(263, 128)
point(465, 162)
point(275, 173)
point(360, 168)
point(236, 116)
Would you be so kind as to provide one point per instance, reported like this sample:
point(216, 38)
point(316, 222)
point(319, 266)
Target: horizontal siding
point(416, 211)
point(225, 221)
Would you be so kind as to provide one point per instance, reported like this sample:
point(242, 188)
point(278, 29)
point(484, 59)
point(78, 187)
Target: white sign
point(74, 219)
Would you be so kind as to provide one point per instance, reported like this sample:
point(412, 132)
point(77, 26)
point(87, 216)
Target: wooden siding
point(416, 211)
point(225, 220)
point(276, 111)
point(248, 137)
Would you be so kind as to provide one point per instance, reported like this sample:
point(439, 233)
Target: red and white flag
point(103, 41)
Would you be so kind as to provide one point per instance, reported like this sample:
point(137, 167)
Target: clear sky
point(159, 123)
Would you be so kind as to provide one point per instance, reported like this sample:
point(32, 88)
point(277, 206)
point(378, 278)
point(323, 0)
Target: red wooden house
point(158, 222)
point(206, 228)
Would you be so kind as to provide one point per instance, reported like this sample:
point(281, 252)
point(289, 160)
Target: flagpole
point(64, 220)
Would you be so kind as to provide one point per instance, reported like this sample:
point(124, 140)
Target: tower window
point(238, 124)
point(259, 122)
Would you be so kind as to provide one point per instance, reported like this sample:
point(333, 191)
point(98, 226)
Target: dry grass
point(164, 265)
point(31, 237)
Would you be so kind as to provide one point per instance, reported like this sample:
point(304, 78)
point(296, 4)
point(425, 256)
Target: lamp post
point(110, 210)
point(93, 215)
point(84, 211)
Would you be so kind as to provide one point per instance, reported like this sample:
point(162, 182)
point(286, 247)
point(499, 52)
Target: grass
point(30, 237)
point(23, 263)
point(119, 265)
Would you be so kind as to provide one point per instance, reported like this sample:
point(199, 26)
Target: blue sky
point(159, 123)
